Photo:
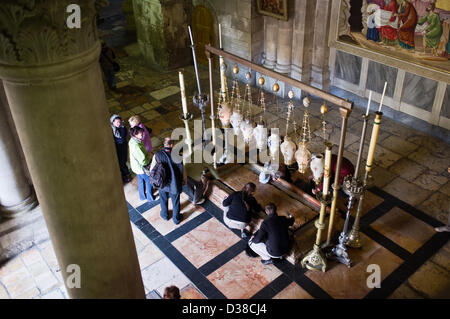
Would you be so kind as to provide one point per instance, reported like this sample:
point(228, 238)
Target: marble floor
point(410, 196)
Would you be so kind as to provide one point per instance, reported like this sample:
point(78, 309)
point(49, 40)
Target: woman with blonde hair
point(136, 120)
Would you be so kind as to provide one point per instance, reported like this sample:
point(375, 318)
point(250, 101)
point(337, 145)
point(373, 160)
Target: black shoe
point(250, 253)
point(267, 262)
point(245, 234)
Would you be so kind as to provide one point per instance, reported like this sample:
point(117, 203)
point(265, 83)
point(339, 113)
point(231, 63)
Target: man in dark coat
point(108, 65)
point(120, 139)
point(176, 180)
point(272, 239)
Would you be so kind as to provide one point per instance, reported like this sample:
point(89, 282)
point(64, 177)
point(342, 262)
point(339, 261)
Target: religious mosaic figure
point(389, 34)
point(372, 31)
point(408, 19)
point(433, 32)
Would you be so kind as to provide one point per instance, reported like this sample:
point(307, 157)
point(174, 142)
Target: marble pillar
point(320, 71)
point(54, 88)
point(302, 42)
point(270, 41)
point(16, 194)
point(284, 46)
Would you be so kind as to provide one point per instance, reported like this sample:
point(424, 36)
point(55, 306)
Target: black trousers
point(122, 156)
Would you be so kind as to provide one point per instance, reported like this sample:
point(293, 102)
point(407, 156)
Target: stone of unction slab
point(429, 280)
point(442, 257)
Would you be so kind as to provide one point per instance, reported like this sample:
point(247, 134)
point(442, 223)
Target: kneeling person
point(238, 208)
point(272, 239)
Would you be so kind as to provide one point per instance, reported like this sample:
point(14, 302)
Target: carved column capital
point(36, 33)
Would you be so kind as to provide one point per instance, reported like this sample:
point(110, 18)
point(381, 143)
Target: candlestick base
point(354, 240)
point(315, 260)
point(339, 252)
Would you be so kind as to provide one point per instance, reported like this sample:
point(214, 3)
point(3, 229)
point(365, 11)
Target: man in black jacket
point(177, 179)
point(272, 239)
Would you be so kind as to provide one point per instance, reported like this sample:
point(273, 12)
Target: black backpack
point(159, 175)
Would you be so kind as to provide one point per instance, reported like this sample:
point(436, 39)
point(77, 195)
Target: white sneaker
point(442, 229)
point(201, 201)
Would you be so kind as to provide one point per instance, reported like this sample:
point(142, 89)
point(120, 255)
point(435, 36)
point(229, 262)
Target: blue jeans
point(144, 187)
point(164, 201)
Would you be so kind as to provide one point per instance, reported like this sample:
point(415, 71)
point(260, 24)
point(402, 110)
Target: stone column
point(16, 194)
point(54, 88)
point(303, 36)
point(284, 46)
point(320, 72)
point(270, 41)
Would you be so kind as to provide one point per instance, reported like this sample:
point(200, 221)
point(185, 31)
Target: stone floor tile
point(131, 193)
point(437, 206)
point(18, 282)
point(46, 281)
point(29, 294)
point(407, 169)
point(398, 145)
point(428, 280)
point(159, 273)
point(3, 292)
point(424, 157)
point(149, 255)
point(179, 281)
point(11, 266)
point(406, 191)
point(342, 282)
point(405, 292)
point(293, 291)
point(242, 277)
point(205, 242)
point(430, 181)
point(445, 189)
point(166, 92)
point(38, 268)
point(153, 295)
point(191, 292)
point(442, 257)
point(382, 176)
point(31, 256)
point(403, 229)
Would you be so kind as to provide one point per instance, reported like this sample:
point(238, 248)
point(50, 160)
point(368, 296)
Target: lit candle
point(220, 36)
point(183, 94)
point(382, 97)
point(368, 103)
point(326, 171)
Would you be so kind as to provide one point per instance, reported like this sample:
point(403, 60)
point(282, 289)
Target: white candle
point(220, 36)
point(368, 103)
point(190, 35)
point(183, 94)
point(326, 171)
point(382, 97)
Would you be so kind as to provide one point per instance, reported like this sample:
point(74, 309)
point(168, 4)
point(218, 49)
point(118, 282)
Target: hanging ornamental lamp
point(236, 116)
point(225, 109)
point(260, 132)
point(303, 155)
point(247, 125)
point(274, 143)
point(288, 150)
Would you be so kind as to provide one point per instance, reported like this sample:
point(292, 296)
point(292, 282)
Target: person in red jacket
point(346, 169)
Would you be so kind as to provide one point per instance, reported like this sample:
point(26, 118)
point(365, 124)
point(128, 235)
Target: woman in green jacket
point(139, 158)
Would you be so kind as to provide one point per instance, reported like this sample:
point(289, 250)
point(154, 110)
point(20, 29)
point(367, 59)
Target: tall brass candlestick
point(353, 237)
point(211, 99)
point(315, 259)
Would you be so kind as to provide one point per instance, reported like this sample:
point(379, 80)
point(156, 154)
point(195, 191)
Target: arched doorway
point(203, 29)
